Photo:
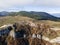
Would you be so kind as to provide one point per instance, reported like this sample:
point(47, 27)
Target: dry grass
point(13, 19)
point(51, 23)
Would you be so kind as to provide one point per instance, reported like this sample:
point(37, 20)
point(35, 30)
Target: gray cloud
point(53, 3)
point(6, 4)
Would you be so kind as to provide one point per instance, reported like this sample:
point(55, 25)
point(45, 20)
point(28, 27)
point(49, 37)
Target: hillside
point(12, 19)
point(32, 14)
point(38, 15)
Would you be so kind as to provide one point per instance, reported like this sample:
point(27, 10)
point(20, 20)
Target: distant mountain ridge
point(56, 14)
point(4, 13)
point(32, 14)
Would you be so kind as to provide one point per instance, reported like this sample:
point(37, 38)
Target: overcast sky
point(50, 6)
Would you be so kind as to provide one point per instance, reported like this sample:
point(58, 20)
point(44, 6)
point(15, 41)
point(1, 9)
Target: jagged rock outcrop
point(29, 33)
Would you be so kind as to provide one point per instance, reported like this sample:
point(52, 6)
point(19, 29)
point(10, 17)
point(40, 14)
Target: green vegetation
point(35, 15)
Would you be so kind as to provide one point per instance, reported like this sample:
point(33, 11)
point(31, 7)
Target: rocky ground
point(29, 33)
